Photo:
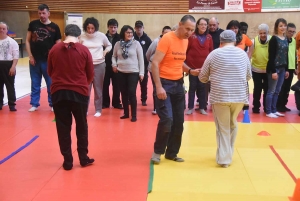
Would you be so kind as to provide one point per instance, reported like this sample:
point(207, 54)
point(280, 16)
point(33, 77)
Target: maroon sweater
point(197, 53)
point(70, 67)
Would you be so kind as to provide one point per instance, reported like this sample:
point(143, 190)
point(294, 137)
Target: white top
point(9, 49)
point(135, 61)
point(96, 43)
point(228, 69)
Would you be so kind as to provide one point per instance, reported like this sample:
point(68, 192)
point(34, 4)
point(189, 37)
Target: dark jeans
point(197, 87)
point(9, 82)
point(63, 111)
point(171, 119)
point(260, 81)
point(285, 90)
point(128, 83)
point(144, 86)
point(110, 75)
point(153, 94)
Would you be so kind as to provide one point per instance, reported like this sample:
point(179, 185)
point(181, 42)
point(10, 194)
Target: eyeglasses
point(203, 25)
point(129, 32)
point(292, 32)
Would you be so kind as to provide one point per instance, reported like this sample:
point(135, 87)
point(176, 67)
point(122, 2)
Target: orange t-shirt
point(298, 45)
point(175, 53)
point(245, 42)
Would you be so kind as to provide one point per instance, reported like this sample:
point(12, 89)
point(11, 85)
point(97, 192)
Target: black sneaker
point(87, 162)
point(287, 109)
point(12, 108)
point(67, 165)
point(144, 103)
point(255, 111)
point(118, 106)
point(280, 109)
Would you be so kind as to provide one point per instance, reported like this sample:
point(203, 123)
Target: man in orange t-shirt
point(167, 70)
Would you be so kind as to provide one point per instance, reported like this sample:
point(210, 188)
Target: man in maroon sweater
point(71, 69)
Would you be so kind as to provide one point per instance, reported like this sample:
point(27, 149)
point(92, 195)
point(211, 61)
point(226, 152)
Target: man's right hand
point(274, 76)
point(161, 93)
point(31, 60)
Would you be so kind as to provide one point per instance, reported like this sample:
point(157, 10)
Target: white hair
point(5, 24)
point(263, 27)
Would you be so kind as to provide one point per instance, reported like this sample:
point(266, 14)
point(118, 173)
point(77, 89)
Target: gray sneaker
point(190, 111)
point(155, 158)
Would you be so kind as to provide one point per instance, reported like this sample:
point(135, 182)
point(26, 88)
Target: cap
point(139, 23)
point(227, 36)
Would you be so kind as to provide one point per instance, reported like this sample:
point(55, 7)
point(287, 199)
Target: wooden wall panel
point(100, 6)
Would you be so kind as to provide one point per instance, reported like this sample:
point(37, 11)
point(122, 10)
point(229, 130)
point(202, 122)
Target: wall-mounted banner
point(206, 6)
point(256, 6)
point(280, 5)
point(252, 6)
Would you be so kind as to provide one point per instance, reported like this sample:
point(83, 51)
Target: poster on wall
point(234, 6)
point(280, 5)
point(75, 18)
point(252, 6)
point(206, 5)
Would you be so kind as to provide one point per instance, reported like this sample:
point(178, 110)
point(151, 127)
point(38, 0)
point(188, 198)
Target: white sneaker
point(190, 111)
point(271, 115)
point(52, 109)
point(197, 103)
point(202, 111)
point(98, 114)
point(32, 109)
point(279, 114)
point(154, 112)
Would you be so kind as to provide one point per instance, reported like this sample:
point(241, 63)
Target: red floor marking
point(263, 133)
point(283, 163)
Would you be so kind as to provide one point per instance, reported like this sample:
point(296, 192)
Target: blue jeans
point(36, 73)
point(274, 87)
point(171, 119)
point(200, 89)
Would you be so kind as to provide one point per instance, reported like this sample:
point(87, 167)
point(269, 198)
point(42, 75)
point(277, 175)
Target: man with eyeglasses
point(292, 62)
point(214, 31)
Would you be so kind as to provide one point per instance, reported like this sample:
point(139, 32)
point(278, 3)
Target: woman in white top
point(128, 61)
point(9, 55)
point(98, 45)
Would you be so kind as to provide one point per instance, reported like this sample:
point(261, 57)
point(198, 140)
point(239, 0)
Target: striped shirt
point(228, 69)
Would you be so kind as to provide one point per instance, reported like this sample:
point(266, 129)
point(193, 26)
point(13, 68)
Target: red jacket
point(70, 67)
point(197, 53)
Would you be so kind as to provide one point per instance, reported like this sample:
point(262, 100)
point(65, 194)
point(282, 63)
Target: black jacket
point(145, 42)
point(110, 53)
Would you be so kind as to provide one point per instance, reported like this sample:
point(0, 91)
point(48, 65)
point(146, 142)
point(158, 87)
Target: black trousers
point(128, 83)
point(8, 81)
point(285, 90)
point(63, 111)
point(260, 84)
point(144, 86)
point(111, 76)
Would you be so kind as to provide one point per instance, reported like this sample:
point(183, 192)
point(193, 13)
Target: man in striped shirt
point(228, 69)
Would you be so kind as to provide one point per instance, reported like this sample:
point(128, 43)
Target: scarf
point(124, 46)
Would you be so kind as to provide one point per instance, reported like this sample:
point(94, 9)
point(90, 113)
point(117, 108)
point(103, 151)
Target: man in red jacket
point(71, 69)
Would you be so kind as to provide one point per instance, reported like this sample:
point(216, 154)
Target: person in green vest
point(259, 58)
point(285, 88)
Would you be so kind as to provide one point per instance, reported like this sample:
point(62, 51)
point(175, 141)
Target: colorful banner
point(256, 6)
point(206, 5)
point(252, 6)
point(280, 5)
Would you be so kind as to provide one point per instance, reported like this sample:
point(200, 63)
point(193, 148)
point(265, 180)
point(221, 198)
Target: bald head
point(213, 24)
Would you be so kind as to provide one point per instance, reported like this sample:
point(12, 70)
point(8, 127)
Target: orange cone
point(296, 196)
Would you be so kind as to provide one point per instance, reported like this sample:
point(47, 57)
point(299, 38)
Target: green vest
point(292, 54)
point(260, 55)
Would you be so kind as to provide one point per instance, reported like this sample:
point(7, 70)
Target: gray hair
point(72, 30)
point(214, 18)
point(174, 27)
point(263, 27)
point(5, 24)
